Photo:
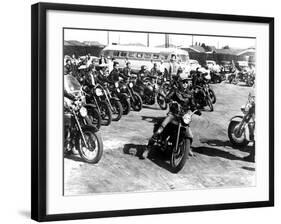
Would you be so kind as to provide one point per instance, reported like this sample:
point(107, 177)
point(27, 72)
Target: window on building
point(139, 55)
point(132, 54)
point(115, 53)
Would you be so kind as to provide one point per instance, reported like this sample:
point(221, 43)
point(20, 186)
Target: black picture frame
point(38, 108)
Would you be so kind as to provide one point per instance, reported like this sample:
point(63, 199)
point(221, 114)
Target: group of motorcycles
point(88, 104)
point(242, 76)
point(91, 104)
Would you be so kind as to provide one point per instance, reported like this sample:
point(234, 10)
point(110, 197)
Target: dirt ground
point(216, 162)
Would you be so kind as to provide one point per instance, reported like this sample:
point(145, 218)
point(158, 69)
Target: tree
point(226, 47)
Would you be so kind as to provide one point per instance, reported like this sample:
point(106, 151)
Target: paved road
point(216, 162)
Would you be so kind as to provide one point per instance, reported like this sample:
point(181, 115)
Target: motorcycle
point(135, 99)
point(176, 138)
point(250, 79)
point(101, 91)
point(241, 128)
point(210, 92)
point(205, 96)
point(72, 85)
point(238, 76)
point(96, 97)
point(150, 92)
point(114, 103)
point(79, 133)
point(216, 77)
point(123, 97)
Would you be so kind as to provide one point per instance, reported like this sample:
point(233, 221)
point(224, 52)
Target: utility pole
point(167, 40)
point(191, 40)
point(147, 43)
point(107, 37)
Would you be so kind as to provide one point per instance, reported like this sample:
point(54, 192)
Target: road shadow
point(152, 119)
point(155, 155)
point(73, 157)
point(215, 152)
point(220, 143)
point(248, 168)
point(152, 107)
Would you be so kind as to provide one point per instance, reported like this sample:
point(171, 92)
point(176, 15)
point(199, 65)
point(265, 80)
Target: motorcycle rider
point(114, 74)
point(143, 72)
point(101, 75)
point(126, 71)
point(154, 72)
point(68, 67)
point(173, 67)
point(182, 95)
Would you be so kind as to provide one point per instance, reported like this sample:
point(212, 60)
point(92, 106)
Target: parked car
point(194, 64)
point(226, 66)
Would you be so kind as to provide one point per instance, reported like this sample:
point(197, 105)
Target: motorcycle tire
point(212, 96)
point(236, 141)
point(106, 114)
point(162, 101)
point(210, 104)
point(117, 109)
point(179, 157)
point(94, 117)
point(126, 105)
point(95, 140)
point(137, 103)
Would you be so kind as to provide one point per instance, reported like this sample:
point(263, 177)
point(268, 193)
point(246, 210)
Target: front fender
point(90, 106)
point(95, 129)
point(115, 98)
point(187, 133)
point(236, 118)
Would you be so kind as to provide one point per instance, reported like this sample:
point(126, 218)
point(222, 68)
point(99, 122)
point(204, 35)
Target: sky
point(155, 39)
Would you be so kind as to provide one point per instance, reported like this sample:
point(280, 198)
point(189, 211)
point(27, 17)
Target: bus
point(138, 56)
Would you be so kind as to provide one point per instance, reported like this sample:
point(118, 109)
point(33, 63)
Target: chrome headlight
point(186, 118)
point(83, 111)
point(99, 92)
point(245, 108)
point(131, 85)
point(116, 84)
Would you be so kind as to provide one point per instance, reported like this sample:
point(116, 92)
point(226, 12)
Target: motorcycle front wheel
point(234, 139)
point(106, 114)
point(210, 104)
point(93, 151)
point(137, 102)
point(212, 96)
point(117, 109)
point(161, 101)
point(179, 156)
point(126, 105)
point(94, 117)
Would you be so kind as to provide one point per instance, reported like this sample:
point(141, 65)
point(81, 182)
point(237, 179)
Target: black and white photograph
point(157, 112)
